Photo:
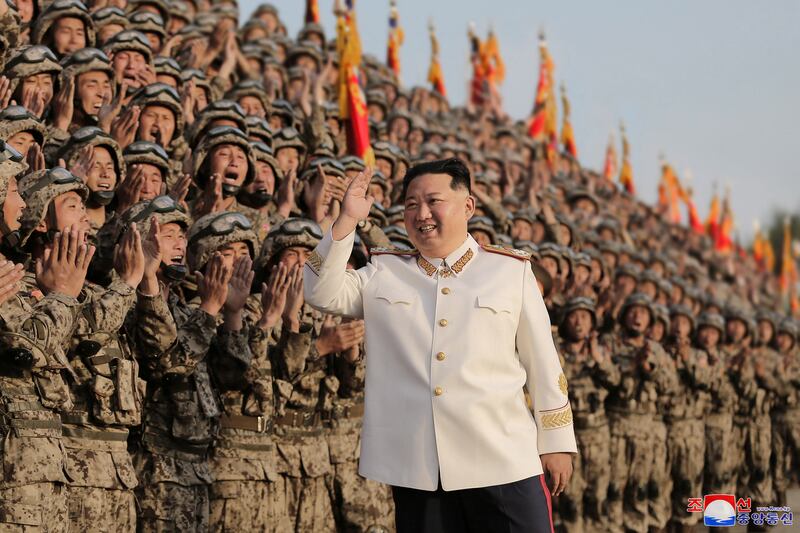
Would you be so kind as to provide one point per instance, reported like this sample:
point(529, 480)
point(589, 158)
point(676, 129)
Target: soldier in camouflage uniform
point(719, 470)
point(161, 121)
point(63, 13)
point(786, 412)
point(590, 373)
point(174, 340)
point(305, 385)
point(684, 417)
point(646, 373)
point(21, 129)
point(32, 67)
point(34, 326)
point(107, 395)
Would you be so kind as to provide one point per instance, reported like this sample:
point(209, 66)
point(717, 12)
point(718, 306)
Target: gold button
point(443, 322)
point(446, 290)
point(438, 391)
point(440, 356)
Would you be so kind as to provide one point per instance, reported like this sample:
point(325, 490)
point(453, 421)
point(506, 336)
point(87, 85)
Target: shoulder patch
point(510, 252)
point(392, 251)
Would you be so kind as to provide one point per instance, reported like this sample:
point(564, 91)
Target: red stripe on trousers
point(549, 503)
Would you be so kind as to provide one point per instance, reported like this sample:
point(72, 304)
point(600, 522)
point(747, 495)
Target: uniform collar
point(453, 264)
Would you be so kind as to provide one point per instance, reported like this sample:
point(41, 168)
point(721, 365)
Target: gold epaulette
point(392, 251)
point(510, 252)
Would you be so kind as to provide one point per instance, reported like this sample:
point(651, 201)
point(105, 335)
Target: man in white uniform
point(454, 332)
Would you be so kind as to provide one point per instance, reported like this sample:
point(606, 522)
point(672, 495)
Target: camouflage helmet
point(61, 9)
point(167, 66)
point(39, 189)
point(353, 162)
point(161, 94)
point(634, 300)
point(288, 138)
point(30, 61)
point(258, 128)
point(661, 312)
point(163, 208)
point(146, 152)
point(330, 166)
point(304, 48)
point(628, 269)
point(216, 137)
point(16, 119)
point(92, 136)
point(398, 237)
point(214, 231)
point(528, 214)
point(163, 7)
point(283, 109)
point(310, 28)
point(263, 154)
point(147, 22)
point(736, 312)
point(86, 60)
point(110, 15)
point(789, 327)
point(579, 302)
point(217, 110)
point(199, 79)
point(483, 224)
point(252, 88)
point(713, 320)
point(768, 315)
point(291, 232)
point(129, 40)
point(179, 10)
point(682, 310)
point(12, 164)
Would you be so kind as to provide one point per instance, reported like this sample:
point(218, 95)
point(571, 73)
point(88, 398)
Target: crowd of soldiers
point(166, 172)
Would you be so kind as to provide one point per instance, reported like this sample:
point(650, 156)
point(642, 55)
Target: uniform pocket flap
point(395, 295)
point(495, 303)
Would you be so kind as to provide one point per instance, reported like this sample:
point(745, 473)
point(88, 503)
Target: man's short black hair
point(453, 167)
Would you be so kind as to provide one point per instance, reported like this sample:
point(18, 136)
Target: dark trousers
point(521, 506)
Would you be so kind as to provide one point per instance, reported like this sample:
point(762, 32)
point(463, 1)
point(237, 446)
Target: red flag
point(538, 128)
point(312, 12)
point(396, 38)
point(610, 164)
point(694, 219)
point(712, 222)
point(724, 241)
point(435, 74)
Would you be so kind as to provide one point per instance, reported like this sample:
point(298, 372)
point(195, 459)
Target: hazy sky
point(714, 85)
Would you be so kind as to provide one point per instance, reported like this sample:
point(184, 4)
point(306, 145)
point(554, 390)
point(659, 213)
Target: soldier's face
point(680, 327)
point(377, 192)
point(13, 205)
point(288, 160)
point(25, 9)
point(70, 212)
point(92, 88)
point(707, 337)
point(128, 66)
point(253, 106)
point(69, 35)
point(785, 342)
point(579, 324)
point(41, 82)
point(765, 331)
point(481, 237)
point(521, 230)
point(385, 166)
point(230, 162)
point(156, 124)
point(155, 41)
point(103, 175)
point(265, 178)
point(294, 255)
point(736, 330)
point(656, 331)
point(173, 243)
point(104, 33)
point(234, 251)
point(200, 98)
point(153, 181)
point(436, 215)
point(22, 141)
point(637, 319)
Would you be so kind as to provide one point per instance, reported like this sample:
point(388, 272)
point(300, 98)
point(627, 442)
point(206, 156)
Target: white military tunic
point(449, 347)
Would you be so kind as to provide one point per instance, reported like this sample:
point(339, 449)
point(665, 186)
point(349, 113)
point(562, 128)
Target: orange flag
point(724, 241)
point(567, 134)
point(626, 173)
point(610, 164)
point(435, 74)
point(538, 127)
point(396, 38)
point(478, 84)
point(352, 102)
point(788, 276)
point(312, 12)
point(671, 193)
point(694, 218)
point(493, 66)
point(712, 222)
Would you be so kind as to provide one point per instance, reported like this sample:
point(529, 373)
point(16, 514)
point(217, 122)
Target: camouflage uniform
point(177, 341)
point(636, 433)
point(685, 429)
point(33, 330)
point(580, 507)
point(786, 417)
point(107, 395)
